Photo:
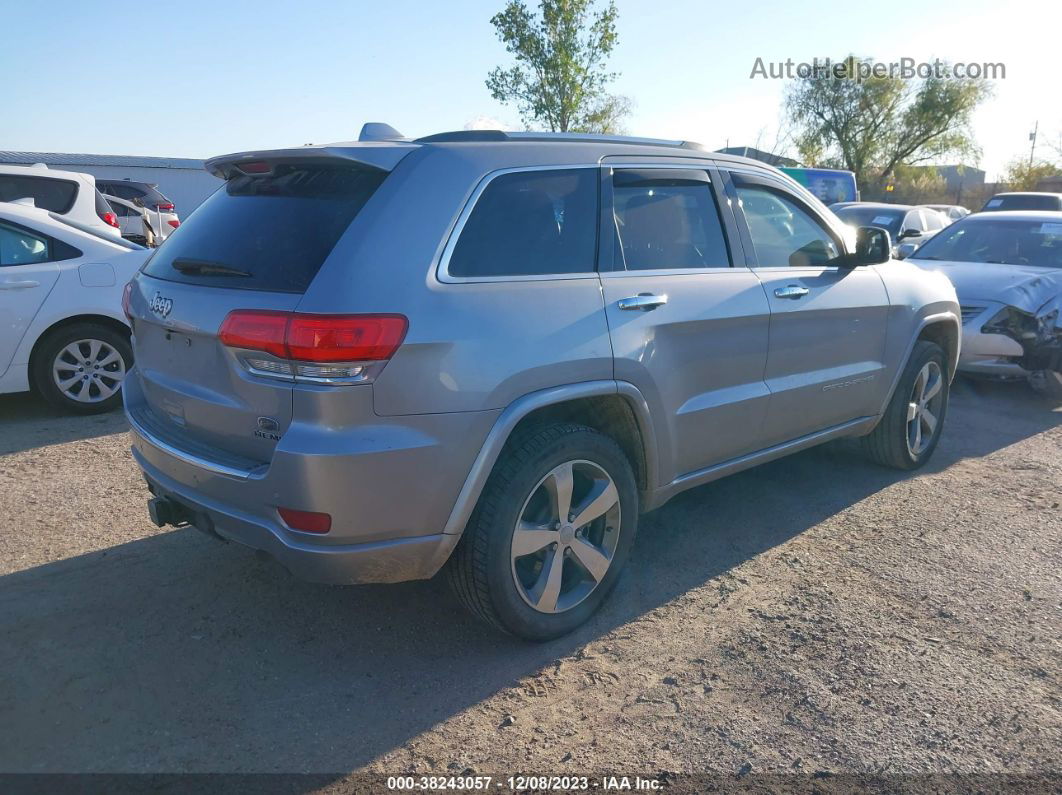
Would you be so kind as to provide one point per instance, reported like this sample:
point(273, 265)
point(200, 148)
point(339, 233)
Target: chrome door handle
point(18, 285)
point(642, 302)
point(792, 292)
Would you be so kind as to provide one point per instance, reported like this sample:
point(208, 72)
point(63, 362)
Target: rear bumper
point(396, 560)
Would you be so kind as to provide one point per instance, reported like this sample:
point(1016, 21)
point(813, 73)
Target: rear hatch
point(256, 244)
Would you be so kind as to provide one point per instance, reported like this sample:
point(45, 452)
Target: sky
point(196, 79)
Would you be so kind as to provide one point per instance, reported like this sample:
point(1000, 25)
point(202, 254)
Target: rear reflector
point(315, 338)
point(174, 223)
point(306, 521)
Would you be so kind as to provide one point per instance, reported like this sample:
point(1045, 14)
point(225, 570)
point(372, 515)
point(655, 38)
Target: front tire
point(550, 534)
point(80, 368)
point(910, 428)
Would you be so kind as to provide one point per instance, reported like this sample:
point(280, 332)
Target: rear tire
point(910, 428)
point(521, 568)
point(1047, 383)
point(79, 368)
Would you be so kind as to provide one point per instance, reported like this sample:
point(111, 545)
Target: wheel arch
point(942, 328)
point(615, 408)
point(59, 325)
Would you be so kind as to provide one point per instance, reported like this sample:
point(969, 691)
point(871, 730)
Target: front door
point(827, 333)
point(27, 275)
point(687, 327)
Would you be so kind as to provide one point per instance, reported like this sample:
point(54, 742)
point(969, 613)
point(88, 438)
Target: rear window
point(267, 233)
point(531, 223)
point(1026, 202)
point(55, 195)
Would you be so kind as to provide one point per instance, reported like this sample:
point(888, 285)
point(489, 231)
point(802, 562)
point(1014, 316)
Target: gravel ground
point(815, 614)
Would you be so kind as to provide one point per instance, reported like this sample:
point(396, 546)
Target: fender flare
point(519, 409)
point(928, 320)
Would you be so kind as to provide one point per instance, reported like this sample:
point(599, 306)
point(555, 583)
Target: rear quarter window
point(268, 233)
point(54, 195)
point(531, 223)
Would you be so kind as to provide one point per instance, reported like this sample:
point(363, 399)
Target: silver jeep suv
point(492, 351)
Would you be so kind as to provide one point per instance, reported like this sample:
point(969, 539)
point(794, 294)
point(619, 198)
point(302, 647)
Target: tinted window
point(1009, 242)
point(19, 247)
point(56, 195)
point(531, 223)
point(783, 232)
point(266, 232)
point(1026, 201)
point(666, 221)
point(883, 218)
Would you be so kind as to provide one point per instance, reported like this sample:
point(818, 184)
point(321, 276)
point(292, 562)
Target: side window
point(933, 222)
point(783, 232)
point(531, 223)
point(666, 218)
point(19, 247)
point(55, 195)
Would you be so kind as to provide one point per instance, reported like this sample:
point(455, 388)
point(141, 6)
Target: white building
point(182, 180)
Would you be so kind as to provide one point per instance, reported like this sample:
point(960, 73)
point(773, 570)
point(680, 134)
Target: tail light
point(110, 218)
point(306, 521)
point(165, 207)
point(126, 292)
point(315, 348)
point(174, 223)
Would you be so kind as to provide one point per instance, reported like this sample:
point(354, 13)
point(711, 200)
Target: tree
point(559, 78)
point(872, 125)
point(1023, 175)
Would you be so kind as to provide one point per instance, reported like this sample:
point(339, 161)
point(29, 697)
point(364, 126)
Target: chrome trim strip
point(187, 458)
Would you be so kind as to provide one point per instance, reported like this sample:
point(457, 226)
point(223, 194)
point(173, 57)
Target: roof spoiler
point(379, 155)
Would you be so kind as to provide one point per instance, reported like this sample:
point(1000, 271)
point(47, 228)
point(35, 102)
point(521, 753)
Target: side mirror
point(904, 250)
point(910, 233)
point(873, 247)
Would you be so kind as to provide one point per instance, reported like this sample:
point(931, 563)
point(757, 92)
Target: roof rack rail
point(471, 136)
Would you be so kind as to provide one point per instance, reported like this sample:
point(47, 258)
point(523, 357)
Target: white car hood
point(1024, 287)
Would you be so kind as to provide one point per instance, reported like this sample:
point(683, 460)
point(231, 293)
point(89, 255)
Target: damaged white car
point(1007, 271)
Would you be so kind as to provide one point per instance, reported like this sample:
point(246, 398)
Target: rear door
point(688, 327)
point(827, 331)
point(28, 272)
point(256, 244)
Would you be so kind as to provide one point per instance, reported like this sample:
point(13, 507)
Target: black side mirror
point(910, 233)
point(873, 247)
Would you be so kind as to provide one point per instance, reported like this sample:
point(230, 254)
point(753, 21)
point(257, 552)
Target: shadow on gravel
point(27, 422)
point(176, 653)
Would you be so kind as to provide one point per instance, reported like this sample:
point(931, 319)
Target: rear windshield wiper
point(204, 268)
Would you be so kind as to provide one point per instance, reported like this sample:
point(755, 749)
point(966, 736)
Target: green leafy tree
point(560, 76)
point(871, 126)
point(1023, 175)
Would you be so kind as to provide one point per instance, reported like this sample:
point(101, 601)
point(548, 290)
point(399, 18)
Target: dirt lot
point(816, 614)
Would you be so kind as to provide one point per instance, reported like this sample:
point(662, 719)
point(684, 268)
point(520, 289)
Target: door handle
point(642, 302)
point(18, 285)
point(793, 292)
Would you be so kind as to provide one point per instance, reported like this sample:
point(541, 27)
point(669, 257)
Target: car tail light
point(174, 223)
point(165, 207)
point(324, 348)
point(110, 218)
point(126, 293)
point(306, 521)
point(257, 168)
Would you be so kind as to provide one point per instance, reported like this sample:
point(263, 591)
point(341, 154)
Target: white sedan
point(64, 333)
point(1007, 271)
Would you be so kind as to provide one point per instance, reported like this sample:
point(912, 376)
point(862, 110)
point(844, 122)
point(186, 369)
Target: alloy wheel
point(923, 408)
point(566, 536)
point(88, 371)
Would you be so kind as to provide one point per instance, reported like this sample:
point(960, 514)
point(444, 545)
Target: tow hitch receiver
point(164, 511)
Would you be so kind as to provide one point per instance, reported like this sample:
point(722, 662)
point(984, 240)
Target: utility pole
point(1032, 137)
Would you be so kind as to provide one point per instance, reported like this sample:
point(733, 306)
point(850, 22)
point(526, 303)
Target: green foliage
point(873, 125)
point(1023, 176)
point(560, 76)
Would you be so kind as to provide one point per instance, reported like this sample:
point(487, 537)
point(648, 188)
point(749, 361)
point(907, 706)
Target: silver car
point(1007, 271)
point(492, 351)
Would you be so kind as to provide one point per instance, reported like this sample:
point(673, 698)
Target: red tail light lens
point(315, 338)
point(174, 223)
point(306, 521)
point(110, 218)
point(166, 208)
